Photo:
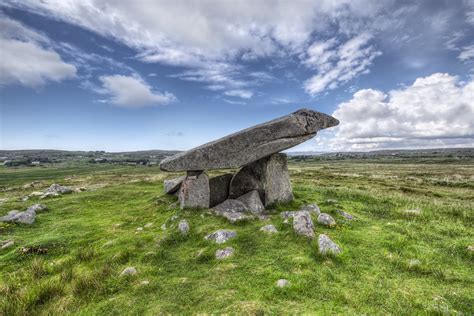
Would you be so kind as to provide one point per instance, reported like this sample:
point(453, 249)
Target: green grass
point(91, 237)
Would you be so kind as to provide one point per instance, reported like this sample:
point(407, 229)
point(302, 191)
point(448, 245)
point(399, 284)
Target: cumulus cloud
point(467, 53)
point(24, 59)
point(435, 111)
point(338, 63)
point(132, 91)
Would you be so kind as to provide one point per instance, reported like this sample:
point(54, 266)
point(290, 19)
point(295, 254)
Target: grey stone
point(58, 189)
point(26, 217)
point(129, 271)
point(7, 243)
point(345, 215)
point(10, 215)
point(414, 263)
point(172, 185)
point(327, 246)
point(224, 253)
point(194, 191)
point(303, 224)
point(219, 188)
point(221, 236)
point(470, 248)
point(183, 227)
point(326, 220)
point(269, 229)
point(312, 208)
point(37, 208)
point(251, 144)
point(269, 176)
point(252, 201)
point(287, 214)
point(233, 210)
point(282, 283)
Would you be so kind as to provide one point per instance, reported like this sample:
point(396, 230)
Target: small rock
point(183, 227)
point(224, 253)
point(331, 201)
point(24, 199)
point(282, 283)
point(36, 208)
point(163, 227)
point(58, 189)
point(26, 217)
point(470, 248)
point(327, 246)
point(326, 219)
point(412, 212)
point(287, 214)
point(252, 201)
point(312, 208)
point(144, 282)
point(221, 236)
point(345, 215)
point(302, 224)
point(413, 263)
point(139, 229)
point(7, 243)
point(173, 185)
point(35, 194)
point(129, 271)
point(269, 229)
point(148, 225)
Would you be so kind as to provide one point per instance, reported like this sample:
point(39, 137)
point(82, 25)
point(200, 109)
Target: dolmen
point(262, 178)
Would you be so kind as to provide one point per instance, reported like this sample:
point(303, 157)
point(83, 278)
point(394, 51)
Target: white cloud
point(436, 111)
point(467, 53)
point(244, 94)
point(24, 60)
point(338, 63)
point(132, 91)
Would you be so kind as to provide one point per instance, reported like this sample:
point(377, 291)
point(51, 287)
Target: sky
point(140, 75)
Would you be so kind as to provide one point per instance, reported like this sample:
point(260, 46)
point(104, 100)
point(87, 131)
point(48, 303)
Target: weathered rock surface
point(282, 283)
point(221, 236)
point(37, 208)
point(194, 191)
point(326, 220)
point(327, 246)
point(224, 253)
point(287, 214)
point(183, 227)
point(269, 176)
point(271, 229)
point(312, 208)
point(251, 144)
point(58, 189)
point(303, 224)
point(219, 188)
point(252, 201)
point(129, 271)
point(173, 185)
point(345, 215)
point(233, 210)
point(26, 217)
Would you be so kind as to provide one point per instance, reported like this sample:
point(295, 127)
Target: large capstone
point(268, 176)
point(251, 144)
point(219, 188)
point(194, 191)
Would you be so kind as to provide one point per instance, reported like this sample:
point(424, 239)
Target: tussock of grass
point(92, 236)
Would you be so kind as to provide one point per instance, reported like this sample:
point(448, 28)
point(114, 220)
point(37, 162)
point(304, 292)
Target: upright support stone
point(219, 188)
point(269, 176)
point(194, 191)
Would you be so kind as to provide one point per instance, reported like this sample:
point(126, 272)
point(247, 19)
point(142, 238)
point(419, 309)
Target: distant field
point(92, 236)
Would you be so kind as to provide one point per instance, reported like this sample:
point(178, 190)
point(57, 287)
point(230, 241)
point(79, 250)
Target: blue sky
point(137, 75)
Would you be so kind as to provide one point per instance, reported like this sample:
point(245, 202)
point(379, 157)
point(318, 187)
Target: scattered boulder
point(327, 246)
point(129, 271)
point(287, 214)
point(183, 227)
point(233, 210)
point(269, 229)
point(221, 236)
point(252, 201)
point(282, 283)
point(303, 224)
point(224, 253)
point(219, 188)
point(37, 208)
point(35, 194)
point(312, 208)
point(172, 185)
point(194, 191)
point(269, 176)
point(251, 144)
point(7, 244)
point(345, 215)
point(26, 217)
point(58, 189)
point(326, 220)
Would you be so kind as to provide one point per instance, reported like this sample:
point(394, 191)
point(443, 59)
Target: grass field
point(92, 236)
